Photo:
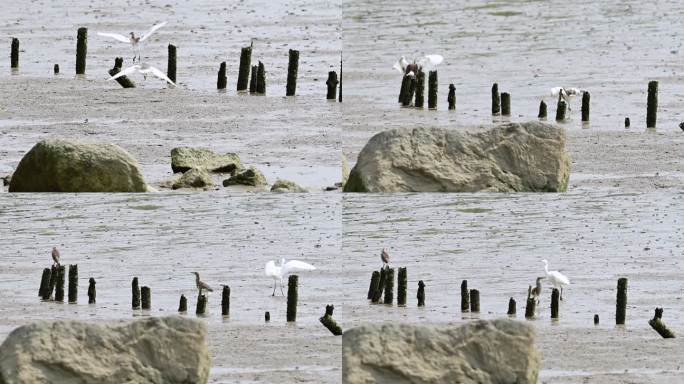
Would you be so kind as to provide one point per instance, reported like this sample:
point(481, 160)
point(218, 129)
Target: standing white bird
point(566, 94)
point(557, 279)
point(427, 61)
point(135, 42)
point(145, 69)
point(280, 272)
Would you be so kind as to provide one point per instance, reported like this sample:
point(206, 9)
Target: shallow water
point(161, 239)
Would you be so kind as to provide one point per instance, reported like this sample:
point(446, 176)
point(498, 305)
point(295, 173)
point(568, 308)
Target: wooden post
point(222, 79)
point(555, 295)
point(243, 70)
point(146, 298)
point(59, 288)
point(55, 69)
point(408, 96)
point(627, 122)
point(171, 64)
point(389, 286)
point(14, 54)
point(542, 110)
point(596, 319)
point(432, 89)
point(329, 322)
point(474, 300)
point(511, 307)
point(183, 304)
point(292, 68)
point(621, 301)
point(402, 282)
point(201, 308)
point(451, 99)
point(657, 324)
point(253, 79)
point(421, 293)
point(375, 280)
point(261, 79)
point(505, 104)
point(652, 107)
point(586, 98)
point(530, 308)
point(405, 85)
point(292, 285)
point(560, 110)
point(332, 85)
point(420, 90)
point(73, 283)
point(51, 285)
point(381, 286)
point(135, 294)
point(81, 50)
point(225, 301)
point(44, 282)
point(91, 291)
point(123, 81)
point(496, 99)
point(339, 99)
point(267, 316)
point(465, 296)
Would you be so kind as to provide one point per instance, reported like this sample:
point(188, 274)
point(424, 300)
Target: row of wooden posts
point(413, 89)
point(52, 280)
point(256, 85)
point(383, 282)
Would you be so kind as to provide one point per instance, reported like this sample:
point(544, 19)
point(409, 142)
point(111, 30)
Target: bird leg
point(561, 294)
point(275, 283)
point(281, 288)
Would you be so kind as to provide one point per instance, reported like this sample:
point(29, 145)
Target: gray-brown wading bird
point(55, 256)
point(201, 285)
point(537, 290)
point(385, 257)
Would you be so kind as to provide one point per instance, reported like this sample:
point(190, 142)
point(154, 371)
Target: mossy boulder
point(184, 159)
point(57, 165)
point(194, 178)
point(287, 186)
point(250, 176)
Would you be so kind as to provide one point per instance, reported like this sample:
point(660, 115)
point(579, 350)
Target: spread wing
point(271, 270)
point(115, 36)
point(151, 31)
point(125, 72)
point(294, 266)
point(161, 75)
point(430, 61)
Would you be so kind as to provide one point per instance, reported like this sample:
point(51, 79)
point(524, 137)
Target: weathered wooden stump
point(183, 304)
point(73, 283)
point(171, 64)
point(135, 288)
point(59, 288)
point(261, 79)
point(542, 110)
point(657, 324)
point(432, 89)
point(586, 99)
point(91, 291)
point(292, 286)
point(465, 296)
point(555, 300)
point(474, 300)
point(332, 85)
point(225, 301)
point(222, 79)
point(421, 293)
point(14, 53)
point(243, 70)
point(621, 301)
point(496, 99)
point(44, 282)
point(511, 307)
point(652, 105)
point(292, 69)
point(505, 104)
point(146, 298)
point(451, 98)
point(375, 281)
point(81, 50)
point(402, 285)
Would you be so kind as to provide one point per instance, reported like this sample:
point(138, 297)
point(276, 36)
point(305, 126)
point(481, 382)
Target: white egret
point(135, 42)
point(557, 279)
point(145, 69)
point(201, 285)
point(427, 61)
point(280, 272)
point(566, 93)
point(55, 256)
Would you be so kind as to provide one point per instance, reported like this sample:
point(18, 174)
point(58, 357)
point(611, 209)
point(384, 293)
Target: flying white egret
point(133, 40)
point(566, 93)
point(557, 279)
point(145, 69)
point(427, 61)
point(201, 285)
point(280, 272)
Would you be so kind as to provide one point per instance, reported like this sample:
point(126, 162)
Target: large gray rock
point(184, 159)
point(480, 352)
point(153, 350)
point(57, 165)
point(194, 178)
point(513, 157)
